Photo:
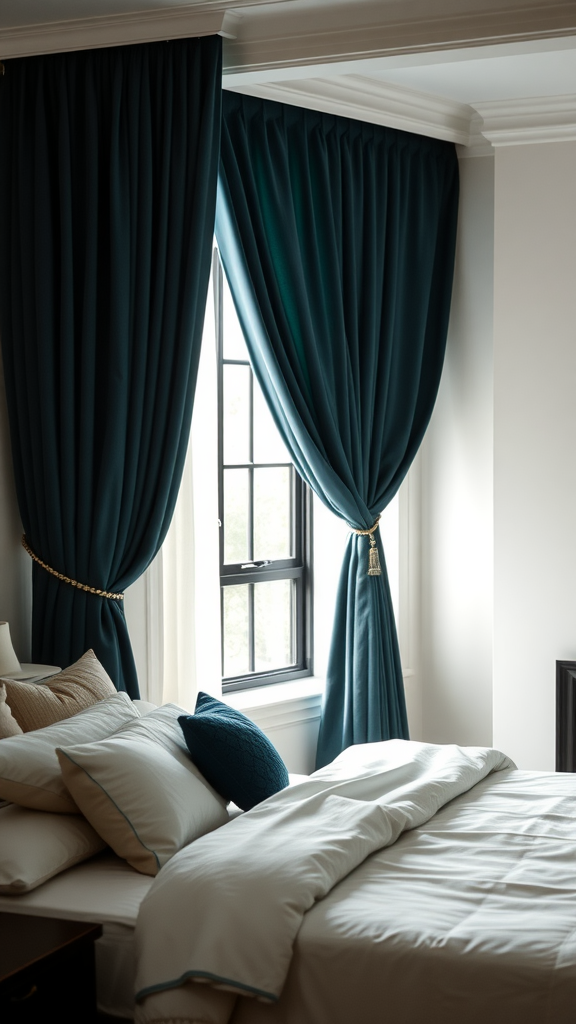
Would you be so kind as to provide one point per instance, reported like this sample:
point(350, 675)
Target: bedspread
point(226, 910)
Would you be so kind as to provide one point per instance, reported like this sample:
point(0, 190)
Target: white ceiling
point(493, 78)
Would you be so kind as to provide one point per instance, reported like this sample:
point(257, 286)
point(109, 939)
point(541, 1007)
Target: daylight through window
point(264, 511)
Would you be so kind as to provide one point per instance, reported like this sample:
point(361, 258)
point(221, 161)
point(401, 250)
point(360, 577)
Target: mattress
point(106, 890)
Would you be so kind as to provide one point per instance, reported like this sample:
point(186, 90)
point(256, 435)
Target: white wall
point(456, 481)
point(15, 565)
point(535, 442)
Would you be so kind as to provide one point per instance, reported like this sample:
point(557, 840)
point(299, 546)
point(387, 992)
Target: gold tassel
point(374, 568)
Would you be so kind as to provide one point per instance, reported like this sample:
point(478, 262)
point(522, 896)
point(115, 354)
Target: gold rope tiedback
point(66, 579)
point(374, 567)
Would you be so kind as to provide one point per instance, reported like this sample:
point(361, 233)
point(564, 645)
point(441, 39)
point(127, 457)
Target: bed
point(403, 882)
point(462, 911)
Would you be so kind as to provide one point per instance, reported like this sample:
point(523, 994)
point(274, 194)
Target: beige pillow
point(34, 846)
point(141, 792)
point(29, 771)
point(35, 705)
point(8, 725)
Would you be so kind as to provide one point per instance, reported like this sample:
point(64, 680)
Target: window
point(264, 513)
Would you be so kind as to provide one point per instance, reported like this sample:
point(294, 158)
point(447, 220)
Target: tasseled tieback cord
point(66, 579)
point(374, 568)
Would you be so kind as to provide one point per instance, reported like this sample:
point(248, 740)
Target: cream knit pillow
point(8, 725)
point(35, 705)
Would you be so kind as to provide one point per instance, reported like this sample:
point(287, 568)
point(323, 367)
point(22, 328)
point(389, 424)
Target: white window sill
point(280, 705)
point(308, 689)
point(284, 704)
point(305, 692)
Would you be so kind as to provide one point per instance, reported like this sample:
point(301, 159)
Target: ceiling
point(435, 66)
point(508, 76)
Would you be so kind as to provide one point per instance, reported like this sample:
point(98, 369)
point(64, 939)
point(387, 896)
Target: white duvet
point(223, 916)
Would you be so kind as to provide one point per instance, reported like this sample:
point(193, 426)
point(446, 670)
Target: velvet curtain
point(107, 195)
point(338, 241)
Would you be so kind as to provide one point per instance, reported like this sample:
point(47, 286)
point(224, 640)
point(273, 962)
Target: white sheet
point(106, 890)
point(245, 889)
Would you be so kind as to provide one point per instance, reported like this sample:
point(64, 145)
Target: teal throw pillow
point(232, 753)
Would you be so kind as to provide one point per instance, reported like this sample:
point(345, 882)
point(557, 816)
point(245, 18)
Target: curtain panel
point(338, 241)
point(107, 196)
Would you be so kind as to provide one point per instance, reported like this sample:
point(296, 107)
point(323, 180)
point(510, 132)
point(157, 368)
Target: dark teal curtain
point(108, 180)
point(338, 241)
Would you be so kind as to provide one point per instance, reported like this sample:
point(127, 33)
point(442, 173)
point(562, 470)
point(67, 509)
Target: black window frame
point(297, 568)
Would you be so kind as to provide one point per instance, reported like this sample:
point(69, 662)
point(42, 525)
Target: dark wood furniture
point(566, 716)
point(47, 970)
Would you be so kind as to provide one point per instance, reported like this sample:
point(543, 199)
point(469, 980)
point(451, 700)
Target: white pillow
point(141, 791)
point(29, 771)
point(144, 706)
point(35, 845)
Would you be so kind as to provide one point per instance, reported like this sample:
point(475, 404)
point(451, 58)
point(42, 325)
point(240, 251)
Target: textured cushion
point(29, 771)
point(34, 846)
point(35, 705)
point(233, 753)
point(8, 725)
point(141, 792)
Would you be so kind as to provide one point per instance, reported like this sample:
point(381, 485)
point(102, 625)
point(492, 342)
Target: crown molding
point(529, 121)
point(478, 145)
point(274, 34)
point(120, 29)
point(375, 101)
point(295, 39)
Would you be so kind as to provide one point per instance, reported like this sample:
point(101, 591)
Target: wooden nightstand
point(47, 970)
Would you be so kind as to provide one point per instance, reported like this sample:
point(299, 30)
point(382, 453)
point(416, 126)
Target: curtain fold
point(338, 241)
point(107, 196)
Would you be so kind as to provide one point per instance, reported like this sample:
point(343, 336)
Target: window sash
point(252, 571)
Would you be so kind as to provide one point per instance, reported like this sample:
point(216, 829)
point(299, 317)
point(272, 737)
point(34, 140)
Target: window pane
point(236, 413)
point(234, 344)
point(235, 631)
point(272, 513)
point(268, 445)
point(273, 625)
point(236, 516)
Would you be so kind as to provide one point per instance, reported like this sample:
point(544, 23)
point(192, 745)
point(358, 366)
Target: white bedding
point(469, 919)
point(230, 913)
